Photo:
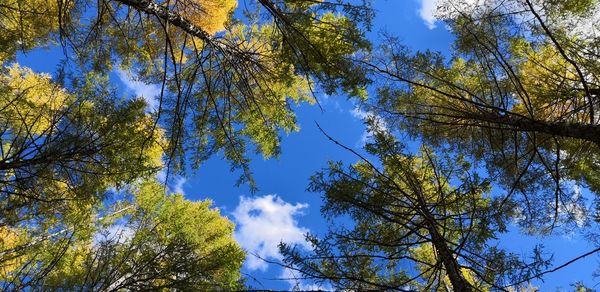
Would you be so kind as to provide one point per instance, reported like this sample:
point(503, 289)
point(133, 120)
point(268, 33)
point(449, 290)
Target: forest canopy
point(497, 134)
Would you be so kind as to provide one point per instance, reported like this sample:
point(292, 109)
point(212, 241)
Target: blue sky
point(283, 210)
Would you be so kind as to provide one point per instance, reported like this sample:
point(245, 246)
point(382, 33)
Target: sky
point(282, 209)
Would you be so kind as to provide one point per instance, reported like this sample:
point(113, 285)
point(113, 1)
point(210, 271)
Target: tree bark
point(458, 281)
point(162, 12)
point(444, 253)
point(587, 132)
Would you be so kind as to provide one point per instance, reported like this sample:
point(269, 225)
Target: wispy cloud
point(264, 222)
point(175, 186)
point(427, 12)
point(178, 186)
point(329, 102)
point(148, 92)
point(377, 124)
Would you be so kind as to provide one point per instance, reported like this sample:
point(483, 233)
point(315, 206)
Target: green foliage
point(68, 142)
point(325, 44)
point(152, 241)
point(516, 95)
point(576, 7)
point(60, 153)
point(231, 90)
point(22, 25)
point(406, 214)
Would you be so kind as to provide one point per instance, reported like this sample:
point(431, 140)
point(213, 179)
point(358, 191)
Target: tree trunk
point(149, 7)
point(587, 132)
point(459, 283)
point(444, 253)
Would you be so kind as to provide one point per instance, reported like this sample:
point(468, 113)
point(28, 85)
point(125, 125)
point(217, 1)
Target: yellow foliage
point(9, 239)
point(547, 79)
point(153, 148)
point(25, 23)
point(31, 100)
point(426, 253)
point(210, 15)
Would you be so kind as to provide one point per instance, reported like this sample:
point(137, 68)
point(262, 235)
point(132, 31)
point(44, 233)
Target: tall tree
point(61, 151)
point(519, 94)
point(145, 241)
point(68, 141)
point(230, 80)
point(418, 222)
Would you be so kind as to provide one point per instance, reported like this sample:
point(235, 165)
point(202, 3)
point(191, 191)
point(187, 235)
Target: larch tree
point(228, 81)
point(146, 240)
point(60, 155)
point(63, 158)
point(519, 93)
point(517, 98)
point(69, 141)
point(414, 222)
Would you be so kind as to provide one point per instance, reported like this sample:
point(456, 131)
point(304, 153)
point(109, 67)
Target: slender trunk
point(580, 131)
point(458, 281)
point(173, 18)
point(444, 253)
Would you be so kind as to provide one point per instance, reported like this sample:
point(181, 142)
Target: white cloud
point(378, 124)
point(174, 186)
point(427, 12)
point(140, 89)
point(161, 176)
point(572, 212)
point(326, 101)
point(358, 113)
point(324, 98)
point(582, 27)
point(429, 9)
point(264, 222)
point(178, 187)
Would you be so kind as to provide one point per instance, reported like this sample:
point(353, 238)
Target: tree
point(61, 151)
point(224, 83)
point(68, 141)
point(23, 28)
point(519, 94)
point(224, 89)
point(147, 240)
point(63, 154)
point(410, 228)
